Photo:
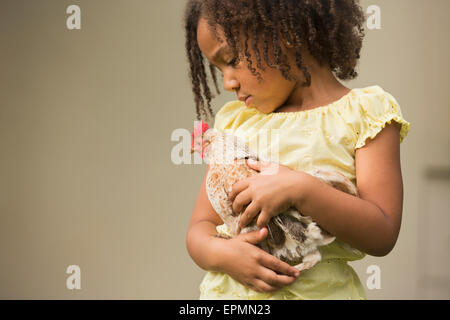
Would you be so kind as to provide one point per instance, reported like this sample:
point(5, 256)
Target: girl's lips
point(248, 100)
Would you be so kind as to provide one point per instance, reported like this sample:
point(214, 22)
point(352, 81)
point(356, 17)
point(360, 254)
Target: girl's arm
point(238, 257)
point(370, 223)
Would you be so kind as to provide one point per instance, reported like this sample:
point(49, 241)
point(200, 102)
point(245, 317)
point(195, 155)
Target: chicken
point(292, 237)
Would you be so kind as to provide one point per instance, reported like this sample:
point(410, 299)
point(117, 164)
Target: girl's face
point(273, 92)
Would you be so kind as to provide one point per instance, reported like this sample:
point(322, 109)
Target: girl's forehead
point(209, 43)
point(205, 33)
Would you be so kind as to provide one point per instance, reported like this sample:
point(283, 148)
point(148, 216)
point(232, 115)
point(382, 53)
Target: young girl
point(281, 59)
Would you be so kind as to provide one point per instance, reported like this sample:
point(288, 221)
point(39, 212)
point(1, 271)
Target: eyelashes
point(233, 63)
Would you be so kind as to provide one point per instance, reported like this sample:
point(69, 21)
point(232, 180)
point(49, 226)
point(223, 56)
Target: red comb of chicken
point(198, 132)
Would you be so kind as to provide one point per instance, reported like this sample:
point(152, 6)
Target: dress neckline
point(309, 111)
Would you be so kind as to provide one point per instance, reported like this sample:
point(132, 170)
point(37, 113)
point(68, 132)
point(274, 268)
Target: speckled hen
point(292, 237)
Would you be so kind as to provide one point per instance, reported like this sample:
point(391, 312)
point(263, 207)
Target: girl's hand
point(267, 194)
point(252, 266)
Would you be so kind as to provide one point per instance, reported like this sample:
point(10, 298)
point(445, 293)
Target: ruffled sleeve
point(377, 110)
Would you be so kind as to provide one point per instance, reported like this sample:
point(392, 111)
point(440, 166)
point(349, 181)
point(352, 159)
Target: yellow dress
point(326, 138)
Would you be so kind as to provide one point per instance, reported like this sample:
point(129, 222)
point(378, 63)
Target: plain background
point(86, 176)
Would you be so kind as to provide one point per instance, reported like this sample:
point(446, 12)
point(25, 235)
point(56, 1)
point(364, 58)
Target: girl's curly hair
point(332, 30)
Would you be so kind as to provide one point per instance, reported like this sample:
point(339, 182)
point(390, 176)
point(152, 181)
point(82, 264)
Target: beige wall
point(85, 171)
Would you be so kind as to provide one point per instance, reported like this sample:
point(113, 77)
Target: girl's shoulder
point(373, 109)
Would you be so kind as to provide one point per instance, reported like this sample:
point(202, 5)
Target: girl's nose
point(230, 83)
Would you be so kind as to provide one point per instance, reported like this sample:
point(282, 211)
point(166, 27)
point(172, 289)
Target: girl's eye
point(232, 62)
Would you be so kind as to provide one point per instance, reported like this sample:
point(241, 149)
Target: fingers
point(270, 168)
point(237, 188)
point(276, 280)
point(263, 219)
point(241, 200)
point(255, 237)
point(278, 266)
point(268, 281)
point(249, 214)
point(265, 273)
point(254, 164)
point(262, 286)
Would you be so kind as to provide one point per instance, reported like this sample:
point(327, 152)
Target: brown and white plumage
point(292, 237)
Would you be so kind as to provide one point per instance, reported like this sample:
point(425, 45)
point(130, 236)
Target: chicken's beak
point(206, 144)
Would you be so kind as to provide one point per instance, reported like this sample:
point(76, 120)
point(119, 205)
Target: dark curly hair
point(332, 31)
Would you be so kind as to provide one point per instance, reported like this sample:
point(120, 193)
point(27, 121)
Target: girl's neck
point(324, 89)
